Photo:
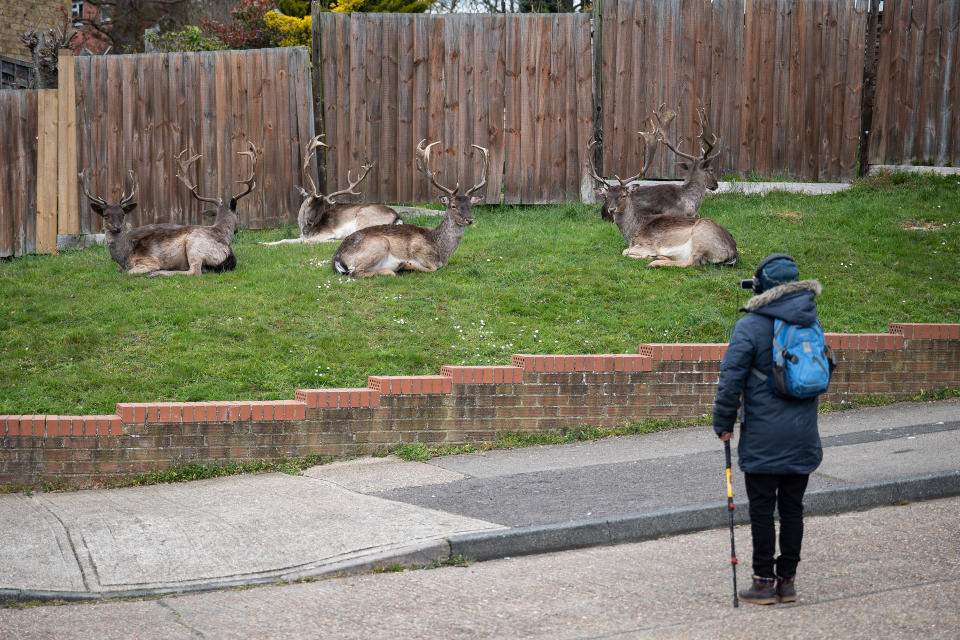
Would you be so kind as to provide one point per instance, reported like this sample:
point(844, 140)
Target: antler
point(312, 146)
point(658, 121)
point(423, 164)
point(250, 182)
point(708, 138)
point(483, 178)
point(593, 168)
point(182, 176)
point(84, 176)
point(127, 199)
point(353, 184)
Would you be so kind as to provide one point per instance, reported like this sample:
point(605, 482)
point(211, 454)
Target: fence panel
point(916, 116)
point(19, 128)
point(781, 79)
point(139, 111)
point(390, 81)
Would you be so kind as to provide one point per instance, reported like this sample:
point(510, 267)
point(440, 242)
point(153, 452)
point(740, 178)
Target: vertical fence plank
point(385, 154)
point(496, 106)
point(47, 170)
point(513, 110)
point(403, 153)
point(68, 218)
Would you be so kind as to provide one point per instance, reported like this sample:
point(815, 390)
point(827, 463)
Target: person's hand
point(726, 435)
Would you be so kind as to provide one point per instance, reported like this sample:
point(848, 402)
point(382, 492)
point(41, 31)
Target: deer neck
point(226, 225)
point(629, 222)
point(694, 188)
point(118, 244)
point(447, 236)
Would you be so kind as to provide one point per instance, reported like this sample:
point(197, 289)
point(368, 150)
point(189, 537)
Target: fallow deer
point(389, 249)
point(667, 240)
point(681, 199)
point(172, 249)
point(322, 218)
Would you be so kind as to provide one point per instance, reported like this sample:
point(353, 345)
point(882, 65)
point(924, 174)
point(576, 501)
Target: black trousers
point(785, 493)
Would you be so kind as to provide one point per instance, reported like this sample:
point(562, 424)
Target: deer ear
point(633, 188)
point(476, 199)
point(600, 191)
point(684, 166)
point(130, 207)
point(96, 208)
point(445, 201)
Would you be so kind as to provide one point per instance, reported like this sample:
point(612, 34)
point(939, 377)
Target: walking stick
point(733, 549)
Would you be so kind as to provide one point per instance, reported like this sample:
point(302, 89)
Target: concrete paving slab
point(228, 528)
point(372, 475)
point(36, 549)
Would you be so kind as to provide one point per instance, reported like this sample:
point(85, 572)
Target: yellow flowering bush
point(294, 32)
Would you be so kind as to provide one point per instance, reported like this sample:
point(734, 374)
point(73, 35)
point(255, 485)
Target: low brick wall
point(535, 393)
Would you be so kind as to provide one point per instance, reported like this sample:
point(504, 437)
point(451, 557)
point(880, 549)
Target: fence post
point(317, 65)
point(68, 211)
point(871, 55)
point(47, 112)
point(597, 88)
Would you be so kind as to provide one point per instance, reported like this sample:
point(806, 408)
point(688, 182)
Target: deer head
point(458, 206)
point(702, 166)
point(317, 203)
point(224, 209)
point(112, 214)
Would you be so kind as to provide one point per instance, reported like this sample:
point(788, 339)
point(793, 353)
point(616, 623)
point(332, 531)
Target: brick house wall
point(462, 405)
point(23, 15)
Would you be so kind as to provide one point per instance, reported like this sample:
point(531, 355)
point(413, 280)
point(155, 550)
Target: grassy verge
point(76, 336)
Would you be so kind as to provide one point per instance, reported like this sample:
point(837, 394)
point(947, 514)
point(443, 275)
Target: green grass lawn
point(77, 336)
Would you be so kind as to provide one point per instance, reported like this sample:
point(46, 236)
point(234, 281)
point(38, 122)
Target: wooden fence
point(781, 80)
point(916, 115)
point(516, 84)
point(114, 113)
point(139, 111)
point(28, 172)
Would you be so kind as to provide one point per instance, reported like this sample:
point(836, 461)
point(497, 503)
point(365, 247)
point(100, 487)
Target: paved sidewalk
point(351, 516)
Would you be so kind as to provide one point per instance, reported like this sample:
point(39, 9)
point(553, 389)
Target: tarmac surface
point(349, 517)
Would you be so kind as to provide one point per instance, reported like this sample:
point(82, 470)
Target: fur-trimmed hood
point(765, 298)
point(792, 302)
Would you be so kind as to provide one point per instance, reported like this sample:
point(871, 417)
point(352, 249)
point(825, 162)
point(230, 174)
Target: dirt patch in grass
point(791, 216)
point(916, 225)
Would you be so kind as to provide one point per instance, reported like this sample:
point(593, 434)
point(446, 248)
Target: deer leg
point(375, 272)
point(416, 266)
point(284, 241)
point(640, 252)
point(668, 262)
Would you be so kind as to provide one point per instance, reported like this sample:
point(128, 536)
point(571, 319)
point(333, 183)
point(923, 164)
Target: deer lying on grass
point(172, 249)
point(322, 218)
point(389, 249)
point(683, 199)
point(667, 240)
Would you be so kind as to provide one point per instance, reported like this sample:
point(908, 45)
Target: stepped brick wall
point(461, 405)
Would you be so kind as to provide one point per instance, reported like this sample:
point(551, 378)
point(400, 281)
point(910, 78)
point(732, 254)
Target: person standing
point(779, 441)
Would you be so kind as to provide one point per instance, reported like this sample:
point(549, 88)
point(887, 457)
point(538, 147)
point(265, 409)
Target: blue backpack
point(802, 362)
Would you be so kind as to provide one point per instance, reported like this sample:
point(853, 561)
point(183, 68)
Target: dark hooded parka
point(777, 435)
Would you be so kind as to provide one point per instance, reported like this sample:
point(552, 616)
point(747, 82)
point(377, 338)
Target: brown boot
point(786, 591)
point(762, 591)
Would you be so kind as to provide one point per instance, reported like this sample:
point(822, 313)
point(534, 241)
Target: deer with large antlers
point(666, 240)
point(681, 199)
point(389, 249)
point(322, 218)
point(172, 249)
